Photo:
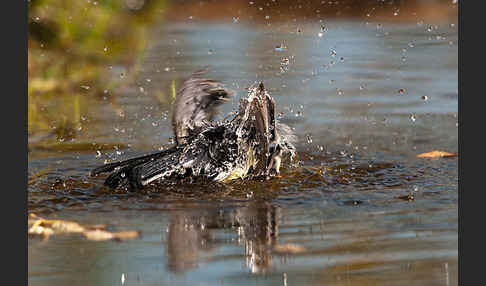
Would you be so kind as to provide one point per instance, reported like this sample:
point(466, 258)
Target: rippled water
point(358, 208)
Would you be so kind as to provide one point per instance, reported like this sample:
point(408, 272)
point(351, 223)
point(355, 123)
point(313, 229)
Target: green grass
point(73, 44)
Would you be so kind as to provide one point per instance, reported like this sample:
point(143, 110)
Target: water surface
point(356, 208)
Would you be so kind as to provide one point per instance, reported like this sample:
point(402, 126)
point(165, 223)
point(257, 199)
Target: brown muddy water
point(358, 208)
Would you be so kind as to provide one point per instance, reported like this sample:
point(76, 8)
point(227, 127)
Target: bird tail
point(134, 172)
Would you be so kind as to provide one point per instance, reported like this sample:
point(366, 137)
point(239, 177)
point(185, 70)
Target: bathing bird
point(251, 144)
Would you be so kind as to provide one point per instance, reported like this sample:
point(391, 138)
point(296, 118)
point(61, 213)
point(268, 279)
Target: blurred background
point(83, 52)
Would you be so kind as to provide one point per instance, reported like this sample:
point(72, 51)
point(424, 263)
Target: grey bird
point(252, 144)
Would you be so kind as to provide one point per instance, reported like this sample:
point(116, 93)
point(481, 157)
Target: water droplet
point(280, 48)
point(309, 138)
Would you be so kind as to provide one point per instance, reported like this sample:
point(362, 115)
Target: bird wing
point(196, 103)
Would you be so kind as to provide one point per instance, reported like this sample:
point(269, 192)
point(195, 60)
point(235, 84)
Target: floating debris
point(436, 154)
point(288, 248)
point(45, 227)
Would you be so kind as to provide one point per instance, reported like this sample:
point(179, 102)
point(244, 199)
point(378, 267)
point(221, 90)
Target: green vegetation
point(74, 48)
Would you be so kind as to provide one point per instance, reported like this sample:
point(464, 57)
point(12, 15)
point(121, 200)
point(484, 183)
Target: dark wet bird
point(251, 144)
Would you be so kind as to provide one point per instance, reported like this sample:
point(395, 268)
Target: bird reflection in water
point(190, 235)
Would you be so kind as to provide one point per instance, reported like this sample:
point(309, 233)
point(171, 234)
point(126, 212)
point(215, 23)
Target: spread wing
point(211, 153)
point(196, 103)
